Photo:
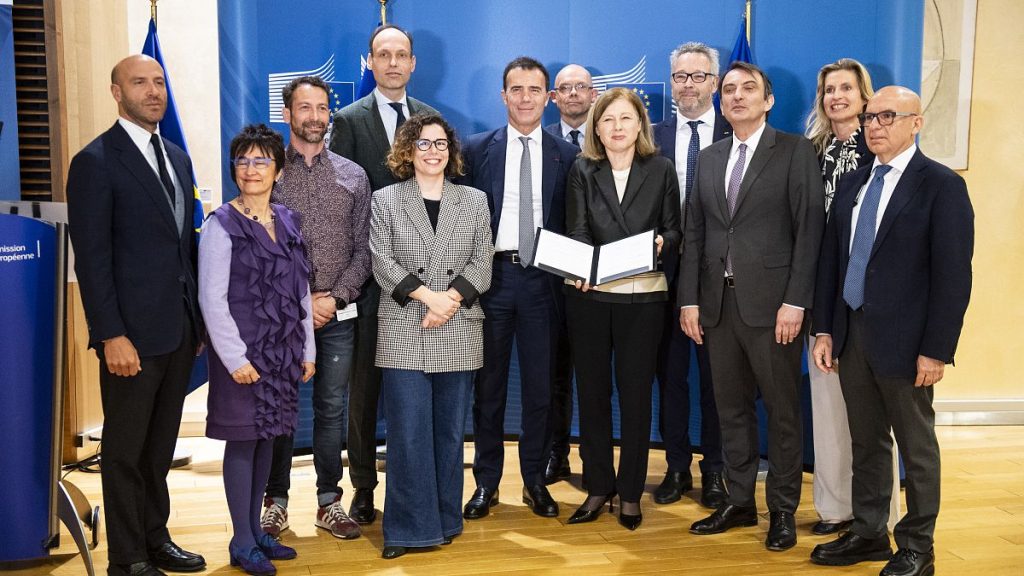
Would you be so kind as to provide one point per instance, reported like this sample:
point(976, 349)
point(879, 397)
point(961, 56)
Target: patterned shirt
point(840, 158)
point(333, 199)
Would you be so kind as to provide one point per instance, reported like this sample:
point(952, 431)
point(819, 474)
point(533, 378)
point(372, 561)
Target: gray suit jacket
point(407, 253)
point(774, 236)
point(359, 135)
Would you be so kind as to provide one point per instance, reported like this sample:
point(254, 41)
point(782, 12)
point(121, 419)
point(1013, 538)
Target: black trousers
point(141, 417)
point(674, 393)
point(364, 392)
point(746, 360)
point(875, 404)
point(599, 333)
point(561, 396)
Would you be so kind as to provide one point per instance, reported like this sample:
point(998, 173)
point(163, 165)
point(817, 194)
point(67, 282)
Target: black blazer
point(651, 200)
point(774, 236)
point(918, 280)
point(484, 156)
point(134, 264)
point(358, 134)
point(665, 138)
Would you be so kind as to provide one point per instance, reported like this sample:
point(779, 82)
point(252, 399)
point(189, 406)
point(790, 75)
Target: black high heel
point(582, 515)
point(630, 521)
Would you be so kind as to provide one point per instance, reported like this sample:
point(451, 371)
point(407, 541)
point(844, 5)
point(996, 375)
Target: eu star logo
point(342, 94)
point(651, 93)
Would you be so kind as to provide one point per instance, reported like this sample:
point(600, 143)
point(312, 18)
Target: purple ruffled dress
point(268, 281)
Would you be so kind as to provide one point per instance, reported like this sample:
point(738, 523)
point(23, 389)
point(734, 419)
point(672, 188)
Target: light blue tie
point(863, 240)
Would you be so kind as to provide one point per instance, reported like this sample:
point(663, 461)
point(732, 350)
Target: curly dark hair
point(263, 138)
point(404, 148)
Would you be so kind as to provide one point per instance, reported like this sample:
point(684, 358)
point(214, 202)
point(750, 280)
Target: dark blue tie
point(397, 107)
point(863, 240)
point(691, 159)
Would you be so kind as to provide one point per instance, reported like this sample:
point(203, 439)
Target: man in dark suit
point(746, 276)
point(523, 171)
point(693, 127)
point(573, 94)
point(130, 208)
point(894, 281)
point(363, 132)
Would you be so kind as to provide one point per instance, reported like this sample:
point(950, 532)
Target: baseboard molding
point(988, 412)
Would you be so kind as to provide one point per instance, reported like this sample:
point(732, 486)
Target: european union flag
point(741, 49)
point(170, 128)
point(342, 94)
point(652, 94)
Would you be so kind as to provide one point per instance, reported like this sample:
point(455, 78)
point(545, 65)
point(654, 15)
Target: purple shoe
point(253, 561)
point(274, 550)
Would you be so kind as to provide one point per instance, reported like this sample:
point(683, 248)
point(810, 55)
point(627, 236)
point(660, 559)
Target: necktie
point(732, 193)
point(526, 225)
point(691, 159)
point(575, 135)
point(863, 240)
point(165, 176)
point(397, 106)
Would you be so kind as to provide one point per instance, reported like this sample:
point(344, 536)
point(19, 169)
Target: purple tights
point(246, 470)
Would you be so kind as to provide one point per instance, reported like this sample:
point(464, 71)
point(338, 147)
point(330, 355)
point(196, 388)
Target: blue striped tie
point(863, 240)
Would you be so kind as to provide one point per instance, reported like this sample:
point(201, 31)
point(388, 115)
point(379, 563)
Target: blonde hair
point(593, 148)
point(819, 127)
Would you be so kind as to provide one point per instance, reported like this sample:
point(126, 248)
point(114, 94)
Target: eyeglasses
point(697, 77)
point(566, 89)
point(885, 118)
point(258, 163)
point(423, 144)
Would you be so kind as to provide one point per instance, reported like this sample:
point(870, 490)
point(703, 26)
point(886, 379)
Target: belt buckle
point(730, 281)
point(515, 258)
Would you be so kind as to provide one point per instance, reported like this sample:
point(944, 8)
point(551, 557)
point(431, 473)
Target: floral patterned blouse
point(842, 157)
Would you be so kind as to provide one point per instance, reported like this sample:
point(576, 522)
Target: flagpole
point(746, 17)
point(152, 10)
point(383, 11)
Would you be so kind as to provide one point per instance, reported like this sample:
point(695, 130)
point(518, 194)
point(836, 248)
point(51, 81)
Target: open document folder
point(577, 260)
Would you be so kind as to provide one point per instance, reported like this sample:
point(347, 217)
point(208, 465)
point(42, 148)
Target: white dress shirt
point(508, 227)
point(566, 129)
point(388, 114)
point(889, 182)
point(706, 132)
point(141, 138)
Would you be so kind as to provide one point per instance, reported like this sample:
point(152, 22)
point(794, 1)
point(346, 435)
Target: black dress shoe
point(557, 469)
point(362, 510)
point(825, 528)
point(136, 569)
point(170, 557)
point(582, 515)
point(781, 532)
point(850, 549)
point(540, 501)
point(726, 517)
point(712, 490)
point(672, 487)
point(907, 562)
point(480, 504)
point(392, 552)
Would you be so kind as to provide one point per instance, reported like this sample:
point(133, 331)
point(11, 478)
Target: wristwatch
point(339, 303)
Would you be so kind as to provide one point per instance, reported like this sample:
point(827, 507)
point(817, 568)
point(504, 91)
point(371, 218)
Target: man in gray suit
point(746, 275)
point(363, 132)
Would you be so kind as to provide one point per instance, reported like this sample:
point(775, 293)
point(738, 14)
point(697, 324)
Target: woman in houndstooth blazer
point(432, 253)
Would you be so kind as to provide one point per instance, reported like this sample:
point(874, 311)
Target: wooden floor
point(980, 529)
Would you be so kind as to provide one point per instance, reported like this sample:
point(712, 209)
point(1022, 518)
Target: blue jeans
point(335, 343)
point(426, 416)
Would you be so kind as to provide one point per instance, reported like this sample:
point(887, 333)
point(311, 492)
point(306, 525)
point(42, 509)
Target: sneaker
point(333, 518)
point(275, 518)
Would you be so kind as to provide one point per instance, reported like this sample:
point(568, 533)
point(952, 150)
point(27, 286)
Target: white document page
point(563, 255)
point(626, 257)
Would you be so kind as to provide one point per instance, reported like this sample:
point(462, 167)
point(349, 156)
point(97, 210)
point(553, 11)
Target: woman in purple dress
point(254, 294)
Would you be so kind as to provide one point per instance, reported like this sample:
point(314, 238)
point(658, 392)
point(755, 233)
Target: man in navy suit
point(573, 94)
point(523, 171)
point(130, 205)
point(694, 126)
point(894, 281)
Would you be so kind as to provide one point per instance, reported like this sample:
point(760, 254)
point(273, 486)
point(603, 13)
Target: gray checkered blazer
point(403, 242)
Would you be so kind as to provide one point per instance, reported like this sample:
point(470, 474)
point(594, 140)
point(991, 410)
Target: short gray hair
point(696, 48)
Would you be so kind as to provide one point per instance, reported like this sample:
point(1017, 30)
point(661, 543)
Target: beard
point(311, 131)
point(141, 111)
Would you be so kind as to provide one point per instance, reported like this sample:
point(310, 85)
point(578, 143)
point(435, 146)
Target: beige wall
point(991, 344)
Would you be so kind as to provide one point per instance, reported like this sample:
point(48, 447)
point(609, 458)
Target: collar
point(566, 128)
point(383, 100)
point(899, 163)
point(292, 155)
point(706, 118)
point(751, 142)
point(139, 135)
point(534, 135)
